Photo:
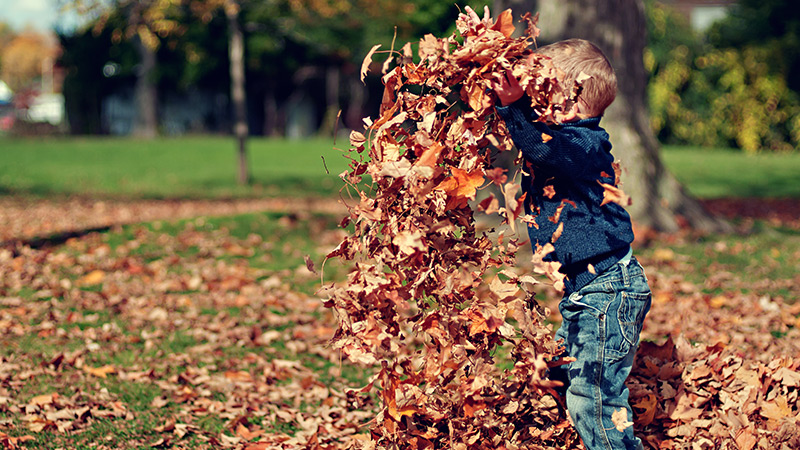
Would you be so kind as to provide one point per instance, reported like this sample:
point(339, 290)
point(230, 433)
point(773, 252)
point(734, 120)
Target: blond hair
point(574, 56)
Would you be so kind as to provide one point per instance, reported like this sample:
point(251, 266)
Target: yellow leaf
point(100, 372)
point(93, 277)
point(718, 301)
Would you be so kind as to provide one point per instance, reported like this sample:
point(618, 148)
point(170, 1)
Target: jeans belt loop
point(626, 277)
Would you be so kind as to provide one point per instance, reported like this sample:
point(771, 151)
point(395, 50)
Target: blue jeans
point(600, 328)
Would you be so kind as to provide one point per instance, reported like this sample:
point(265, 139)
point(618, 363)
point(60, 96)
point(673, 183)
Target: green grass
point(717, 173)
point(205, 167)
point(194, 167)
point(762, 261)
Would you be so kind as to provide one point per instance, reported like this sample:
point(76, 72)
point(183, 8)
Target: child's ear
point(570, 115)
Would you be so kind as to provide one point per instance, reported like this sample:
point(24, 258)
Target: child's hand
point(507, 87)
point(473, 22)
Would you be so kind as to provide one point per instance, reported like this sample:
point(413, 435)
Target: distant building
point(5, 93)
point(702, 13)
point(6, 107)
point(47, 108)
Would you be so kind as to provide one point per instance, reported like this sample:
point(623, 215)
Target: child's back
point(607, 296)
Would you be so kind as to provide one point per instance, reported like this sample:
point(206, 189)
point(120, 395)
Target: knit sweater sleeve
point(568, 149)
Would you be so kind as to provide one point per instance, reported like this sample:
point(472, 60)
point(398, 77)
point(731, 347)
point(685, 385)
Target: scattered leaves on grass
point(212, 350)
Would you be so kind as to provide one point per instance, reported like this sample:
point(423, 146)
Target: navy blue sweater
point(568, 170)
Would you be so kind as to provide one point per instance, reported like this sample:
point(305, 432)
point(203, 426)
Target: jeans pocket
point(623, 333)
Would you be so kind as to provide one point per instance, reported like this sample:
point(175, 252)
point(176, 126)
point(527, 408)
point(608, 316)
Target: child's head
point(574, 56)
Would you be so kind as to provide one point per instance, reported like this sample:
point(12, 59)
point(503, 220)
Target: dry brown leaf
point(614, 194)
point(367, 61)
point(620, 419)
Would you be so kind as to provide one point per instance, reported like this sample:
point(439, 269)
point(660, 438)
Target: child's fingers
point(501, 81)
point(473, 16)
point(510, 79)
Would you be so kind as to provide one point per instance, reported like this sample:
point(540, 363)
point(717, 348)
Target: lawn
point(717, 173)
point(207, 332)
point(205, 167)
point(187, 167)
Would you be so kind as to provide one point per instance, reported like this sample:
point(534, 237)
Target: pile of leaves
point(710, 396)
point(738, 385)
point(429, 301)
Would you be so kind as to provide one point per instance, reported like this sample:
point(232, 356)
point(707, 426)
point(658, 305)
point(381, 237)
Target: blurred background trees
point(164, 66)
point(732, 85)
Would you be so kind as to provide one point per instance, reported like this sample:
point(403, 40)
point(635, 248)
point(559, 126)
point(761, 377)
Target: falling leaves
point(367, 61)
point(416, 303)
point(614, 194)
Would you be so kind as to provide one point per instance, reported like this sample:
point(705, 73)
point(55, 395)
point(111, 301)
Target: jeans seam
point(598, 382)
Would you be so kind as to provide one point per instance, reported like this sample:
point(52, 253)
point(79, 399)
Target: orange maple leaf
point(462, 184)
point(430, 157)
point(645, 409)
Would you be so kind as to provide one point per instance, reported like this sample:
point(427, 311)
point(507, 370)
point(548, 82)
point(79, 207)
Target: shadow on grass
point(209, 189)
point(53, 240)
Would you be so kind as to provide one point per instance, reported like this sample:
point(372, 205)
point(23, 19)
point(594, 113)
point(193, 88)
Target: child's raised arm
point(507, 87)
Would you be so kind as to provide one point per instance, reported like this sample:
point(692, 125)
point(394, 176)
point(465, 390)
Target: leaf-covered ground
point(206, 333)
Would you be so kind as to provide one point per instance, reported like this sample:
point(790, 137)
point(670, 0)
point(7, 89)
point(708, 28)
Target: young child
point(606, 293)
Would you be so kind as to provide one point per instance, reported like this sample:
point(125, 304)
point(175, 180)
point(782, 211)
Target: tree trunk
point(618, 28)
point(145, 93)
point(270, 110)
point(357, 105)
point(236, 54)
point(333, 77)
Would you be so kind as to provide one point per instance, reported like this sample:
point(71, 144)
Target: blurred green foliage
point(735, 85)
point(717, 91)
point(289, 44)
